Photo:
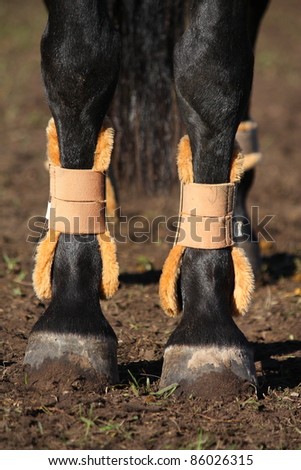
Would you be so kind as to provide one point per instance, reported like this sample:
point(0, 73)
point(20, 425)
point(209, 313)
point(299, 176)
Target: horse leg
point(207, 354)
point(247, 239)
point(80, 62)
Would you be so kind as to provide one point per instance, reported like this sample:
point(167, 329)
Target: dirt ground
point(135, 414)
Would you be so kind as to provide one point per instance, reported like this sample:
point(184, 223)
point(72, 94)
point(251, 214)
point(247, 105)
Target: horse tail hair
point(144, 110)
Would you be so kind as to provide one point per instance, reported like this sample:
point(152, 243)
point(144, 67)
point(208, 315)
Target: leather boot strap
point(77, 199)
point(206, 212)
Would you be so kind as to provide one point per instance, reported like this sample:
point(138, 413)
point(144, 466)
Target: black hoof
point(70, 361)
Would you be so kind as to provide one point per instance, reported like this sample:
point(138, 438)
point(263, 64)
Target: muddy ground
point(134, 415)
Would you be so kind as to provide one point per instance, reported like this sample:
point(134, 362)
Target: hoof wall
point(209, 372)
point(69, 362)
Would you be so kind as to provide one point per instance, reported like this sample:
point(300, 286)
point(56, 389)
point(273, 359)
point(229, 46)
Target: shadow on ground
point(281, 372)
point(279, 265)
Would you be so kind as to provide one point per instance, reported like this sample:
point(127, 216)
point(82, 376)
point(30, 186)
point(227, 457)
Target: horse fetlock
point(65, 359)
point(208, 371)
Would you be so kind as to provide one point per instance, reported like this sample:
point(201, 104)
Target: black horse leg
point(247, 238)
point(213, 63)
point(80, 63)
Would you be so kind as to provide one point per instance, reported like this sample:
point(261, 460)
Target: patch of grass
point(88, 420)
point(250, 402)
point(138, 388)
point(110, 428)
point(144, 263)
point(134, 384)
point(204, 441)
point(166, 392)
point(17, 292)
point(12, 264)
point(20, 277)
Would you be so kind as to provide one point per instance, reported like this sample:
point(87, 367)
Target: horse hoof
point(70, 361)
point(209, 372)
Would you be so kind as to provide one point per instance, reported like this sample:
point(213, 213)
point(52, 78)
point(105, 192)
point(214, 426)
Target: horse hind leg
point(247, 137)
point(207, 354)
point(80, 62)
